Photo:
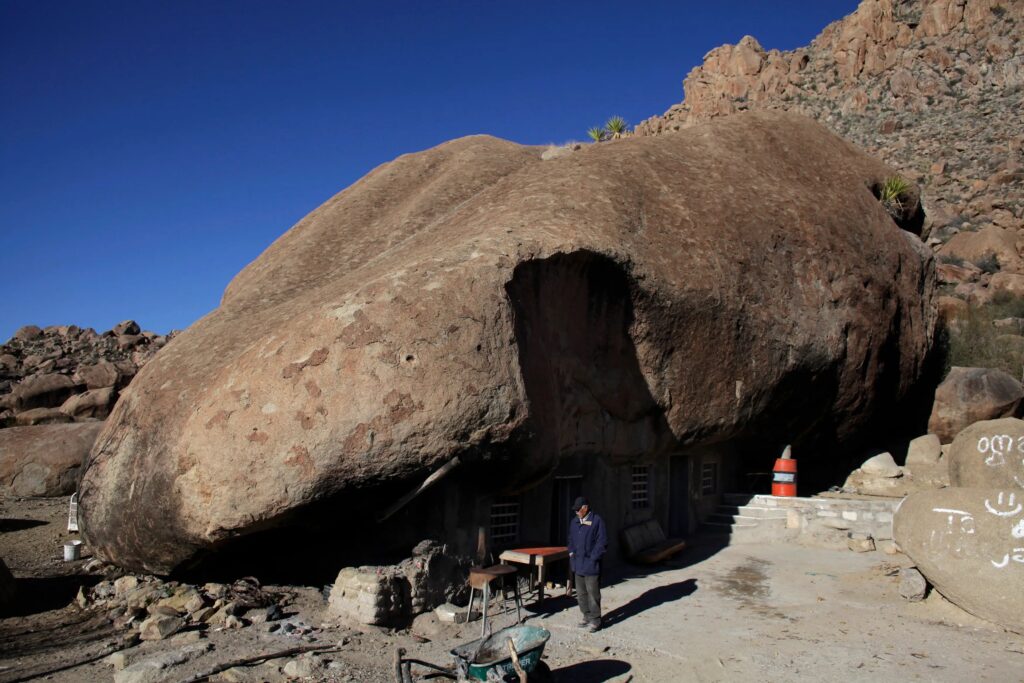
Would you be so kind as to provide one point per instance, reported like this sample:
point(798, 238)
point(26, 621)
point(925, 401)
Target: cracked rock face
point(736, 280)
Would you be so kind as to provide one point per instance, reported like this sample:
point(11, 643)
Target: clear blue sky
point(150, 150)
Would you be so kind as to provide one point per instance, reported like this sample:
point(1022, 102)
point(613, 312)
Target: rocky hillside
point(933, 87)
point(66, 373)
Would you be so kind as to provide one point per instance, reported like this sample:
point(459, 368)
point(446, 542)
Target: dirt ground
point(777, 612)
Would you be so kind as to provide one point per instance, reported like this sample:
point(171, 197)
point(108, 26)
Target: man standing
point(588, 541)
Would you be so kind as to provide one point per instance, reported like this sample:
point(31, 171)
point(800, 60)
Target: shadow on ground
point(34, 596)
point(594, 671)
point(19, 524)
point(650, 599)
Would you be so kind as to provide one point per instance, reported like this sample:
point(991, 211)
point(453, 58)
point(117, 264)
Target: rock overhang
point(381, 336)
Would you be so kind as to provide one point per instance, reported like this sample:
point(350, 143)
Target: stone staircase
point(742, 519)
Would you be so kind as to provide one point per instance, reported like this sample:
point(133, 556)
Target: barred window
point(505, 520)
point(709, 478)
point(639, 490)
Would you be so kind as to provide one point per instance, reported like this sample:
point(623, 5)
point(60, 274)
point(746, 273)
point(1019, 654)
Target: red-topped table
point(539, 557)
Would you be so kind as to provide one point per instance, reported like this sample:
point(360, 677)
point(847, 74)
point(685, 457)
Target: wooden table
point(539, 557)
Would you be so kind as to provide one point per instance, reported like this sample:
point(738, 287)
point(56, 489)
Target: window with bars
point(639, 487)
point(505, 520)
point(708, 478)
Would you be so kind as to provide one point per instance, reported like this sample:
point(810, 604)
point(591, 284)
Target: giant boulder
point(969, 543)
point(988, 454)
point(44, 460)
point(969, 395)
point(737, 280)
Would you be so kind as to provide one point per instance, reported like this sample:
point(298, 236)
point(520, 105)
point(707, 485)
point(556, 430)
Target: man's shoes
point(594, 627)
point(583, 624)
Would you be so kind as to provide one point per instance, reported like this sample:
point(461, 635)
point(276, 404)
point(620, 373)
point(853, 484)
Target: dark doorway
point(679, 496)
point(564, 492)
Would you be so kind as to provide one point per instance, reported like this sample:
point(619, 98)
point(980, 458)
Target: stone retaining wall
point(815, 515)
point(395, 593)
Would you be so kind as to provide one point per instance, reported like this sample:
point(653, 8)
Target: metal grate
point(505, 520)
point(709, 477)
point(639, 490)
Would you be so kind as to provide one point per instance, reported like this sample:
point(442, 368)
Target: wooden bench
point(645, 543)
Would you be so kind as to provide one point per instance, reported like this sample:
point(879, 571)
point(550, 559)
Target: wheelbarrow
point(495, 658)
point(509, 655)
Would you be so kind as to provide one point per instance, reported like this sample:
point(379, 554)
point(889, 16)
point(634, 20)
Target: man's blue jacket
point(588, 541)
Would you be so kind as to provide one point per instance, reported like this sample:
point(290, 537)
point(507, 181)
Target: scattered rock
point(860, 542)
point(304, 666)
point(152, 670)
point(160, 626)
point(881, 465)
point(913, 586)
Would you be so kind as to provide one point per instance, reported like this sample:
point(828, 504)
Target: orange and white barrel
point(784, 477)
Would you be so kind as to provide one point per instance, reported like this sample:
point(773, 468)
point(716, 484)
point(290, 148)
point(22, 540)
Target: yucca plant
point(616, 126)
point(596, 134)
point(893, 192)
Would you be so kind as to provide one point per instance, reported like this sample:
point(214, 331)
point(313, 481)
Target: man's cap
point(579, 503)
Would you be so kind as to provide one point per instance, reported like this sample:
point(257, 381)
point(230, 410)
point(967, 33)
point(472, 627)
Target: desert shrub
point(596, 134)
point(951, 259)
point(988, 263)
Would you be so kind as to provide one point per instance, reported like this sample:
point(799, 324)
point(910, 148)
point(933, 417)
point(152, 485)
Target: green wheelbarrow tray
point(478, 658)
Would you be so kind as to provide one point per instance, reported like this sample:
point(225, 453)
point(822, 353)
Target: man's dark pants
point(588, 594)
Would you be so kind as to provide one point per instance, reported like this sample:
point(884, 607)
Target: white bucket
point(72, 551)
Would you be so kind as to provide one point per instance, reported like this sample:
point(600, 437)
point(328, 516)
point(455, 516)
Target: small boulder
point(28, 333)
point(126, 327)
point(968, 395)
point(95, 403)
point(913, 586)
point(969, 544)
point(924, 450)
point(42, 391)
point(881, 465)
point(988, 454)
point(160, 626)
point(41, 416)
point(44, 460)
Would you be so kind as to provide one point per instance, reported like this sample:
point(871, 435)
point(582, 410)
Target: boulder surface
point(969, 395)
point(988, 454)
point(737, 280)
point(969, 544)
point(44, 460)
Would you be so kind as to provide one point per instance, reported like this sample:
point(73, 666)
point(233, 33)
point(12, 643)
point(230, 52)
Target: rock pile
point(67, 373)
point(933, 87)
point(157, 609)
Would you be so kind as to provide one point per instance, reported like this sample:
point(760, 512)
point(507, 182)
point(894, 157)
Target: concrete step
point(737, 499)
point(759, 511)
point(730, 519)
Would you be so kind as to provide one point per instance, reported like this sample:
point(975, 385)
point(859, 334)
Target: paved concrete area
point(777, 612)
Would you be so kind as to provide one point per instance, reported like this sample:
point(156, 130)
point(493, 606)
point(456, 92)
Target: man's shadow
point(648, 600)
point(555, 604)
